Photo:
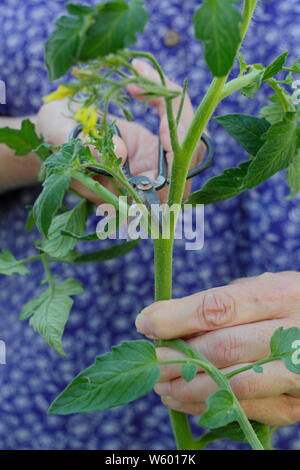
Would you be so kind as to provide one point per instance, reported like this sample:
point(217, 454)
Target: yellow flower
point(88, 117)
point(62, 92)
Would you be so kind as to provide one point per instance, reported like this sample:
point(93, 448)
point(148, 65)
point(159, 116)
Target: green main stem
point(163, 248)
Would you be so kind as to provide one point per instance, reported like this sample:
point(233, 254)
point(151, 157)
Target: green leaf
point(63, 158)
point(63, 46)
point(126, 373)
point(220, 412)
point(23, 140)
point(59, 245)
point(50, 200)
point(272, 112)
point(285, 343)
point(233, 432)
point(222, 187)
point(30, 219)
point(153, 90)
point(242, 63)
point(10, 265)
point(246, 129)
point(91, 237)
point(116, 26)
point(79, 10)
point(50, 311)
point(277, 152)
point(274, 155)
point(258, 369)
point(293, 176)
point(188, 371)
point(120, 249)
point(218, 25)
point(275, 66)
point(295, 68)
point(250, 90)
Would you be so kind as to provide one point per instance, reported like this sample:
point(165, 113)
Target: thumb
point(120, 148)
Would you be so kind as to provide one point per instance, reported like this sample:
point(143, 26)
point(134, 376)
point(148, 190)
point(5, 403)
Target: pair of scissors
point(145, 187)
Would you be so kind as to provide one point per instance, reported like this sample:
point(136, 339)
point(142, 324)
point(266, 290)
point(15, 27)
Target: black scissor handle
point(208, 160)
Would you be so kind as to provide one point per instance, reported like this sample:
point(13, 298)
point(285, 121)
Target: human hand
point(54, 123)
point(232, 326)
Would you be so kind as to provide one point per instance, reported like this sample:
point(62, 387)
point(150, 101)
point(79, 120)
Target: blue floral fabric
point(254, 233)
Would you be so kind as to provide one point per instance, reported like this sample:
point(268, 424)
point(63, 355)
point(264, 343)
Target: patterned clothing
point(255, 232)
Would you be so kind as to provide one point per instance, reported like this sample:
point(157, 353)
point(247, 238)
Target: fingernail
point(142, 325)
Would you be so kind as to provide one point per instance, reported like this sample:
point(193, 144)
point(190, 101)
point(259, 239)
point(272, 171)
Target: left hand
point(232, 326)
point(54, 123)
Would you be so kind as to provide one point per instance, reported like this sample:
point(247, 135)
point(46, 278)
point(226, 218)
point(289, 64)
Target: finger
point(188, 408)
point(149, 72)
point(275, 380)
point(142, 148)
point(227, 347)
point(120, 148)
point(269, 296)
point(274, 411)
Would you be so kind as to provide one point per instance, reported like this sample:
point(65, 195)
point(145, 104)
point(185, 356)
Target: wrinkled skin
point(232, 326)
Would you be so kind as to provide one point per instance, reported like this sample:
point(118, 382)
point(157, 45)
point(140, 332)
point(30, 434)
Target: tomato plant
point(93, 43)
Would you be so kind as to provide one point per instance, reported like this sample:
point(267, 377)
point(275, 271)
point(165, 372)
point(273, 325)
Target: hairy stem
point(47, 270)
point(168, 101)
point(239, 82)
point(163, 250)
point(285, 103)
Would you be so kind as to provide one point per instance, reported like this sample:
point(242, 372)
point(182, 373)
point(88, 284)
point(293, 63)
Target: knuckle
point(216, 309)
point(284, 288)
point(291, 410)
point(180, 390)
point(268, 276)
point(245, 386)
point(226, 350)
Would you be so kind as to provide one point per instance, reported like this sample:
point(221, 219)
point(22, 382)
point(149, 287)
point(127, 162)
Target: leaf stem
point(181, 104)
point(203, 441)
point(222, 381)
point(99, 190)
point(168, 101)
point(47, 270)
point(285, 103)
point(239, 82)
point(250, 366)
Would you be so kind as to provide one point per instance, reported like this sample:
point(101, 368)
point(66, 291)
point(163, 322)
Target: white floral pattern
point(256, 232)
